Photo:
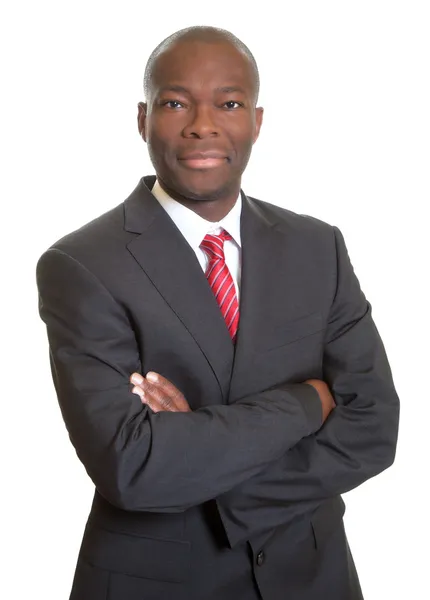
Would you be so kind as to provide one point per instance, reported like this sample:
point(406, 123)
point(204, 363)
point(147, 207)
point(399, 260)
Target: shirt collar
point(194, 227)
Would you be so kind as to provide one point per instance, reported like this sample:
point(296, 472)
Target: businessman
point(215, 361)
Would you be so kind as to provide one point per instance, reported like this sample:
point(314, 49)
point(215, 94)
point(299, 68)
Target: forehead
point(200, 65)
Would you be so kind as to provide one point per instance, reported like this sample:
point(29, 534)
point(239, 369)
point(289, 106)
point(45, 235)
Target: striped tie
point(221, 281)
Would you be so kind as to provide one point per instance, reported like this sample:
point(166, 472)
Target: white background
point(345, 86)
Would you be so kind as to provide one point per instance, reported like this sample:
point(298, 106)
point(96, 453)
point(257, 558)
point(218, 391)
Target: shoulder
point(83, 251)
point(292, 222)
point(101, 230)
point(99, 241)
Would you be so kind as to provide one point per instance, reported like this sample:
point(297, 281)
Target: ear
point(141, 119)
point(258, 122)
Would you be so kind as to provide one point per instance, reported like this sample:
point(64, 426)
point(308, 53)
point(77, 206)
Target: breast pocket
point(301, 327)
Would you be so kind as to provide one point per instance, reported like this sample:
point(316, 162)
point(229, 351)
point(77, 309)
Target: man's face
point(200, 121)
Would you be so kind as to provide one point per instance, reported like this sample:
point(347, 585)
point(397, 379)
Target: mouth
point(203, 160)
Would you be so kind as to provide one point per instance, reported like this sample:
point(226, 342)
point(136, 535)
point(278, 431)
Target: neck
point(211, 209)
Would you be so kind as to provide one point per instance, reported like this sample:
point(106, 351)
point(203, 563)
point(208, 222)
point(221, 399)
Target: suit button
point(260, 558)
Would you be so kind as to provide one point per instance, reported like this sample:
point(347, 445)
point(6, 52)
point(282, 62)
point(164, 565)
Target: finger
point(169, 389)
point(141, 383)
point(159, 395)
point(163, 383)
point(152, 403)
point(154, 398)
point(147, 399)
point(138, 390)
point(157, 380)
point(164, 392)
point(136, 378)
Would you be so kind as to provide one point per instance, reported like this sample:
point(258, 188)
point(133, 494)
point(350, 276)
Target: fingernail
point(138, 391)
point(136, 378)
point(151, 376)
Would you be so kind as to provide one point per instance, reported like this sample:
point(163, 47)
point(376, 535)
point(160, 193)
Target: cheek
point(240, 132)
point(161, 132)
point(243, 145)
point(160, 145)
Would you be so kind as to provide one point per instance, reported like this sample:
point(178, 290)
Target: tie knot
point(214, 244)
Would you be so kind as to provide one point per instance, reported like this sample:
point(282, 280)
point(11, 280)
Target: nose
point(201, 123)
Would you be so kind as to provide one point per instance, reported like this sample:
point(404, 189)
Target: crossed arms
point(267, 454)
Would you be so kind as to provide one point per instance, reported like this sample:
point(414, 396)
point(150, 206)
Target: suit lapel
point(264, 250)
point(172, 266)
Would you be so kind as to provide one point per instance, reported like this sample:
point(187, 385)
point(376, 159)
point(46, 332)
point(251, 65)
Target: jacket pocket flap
point(151, 558)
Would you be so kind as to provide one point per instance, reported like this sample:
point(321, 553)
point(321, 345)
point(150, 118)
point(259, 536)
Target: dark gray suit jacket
point(240, 498)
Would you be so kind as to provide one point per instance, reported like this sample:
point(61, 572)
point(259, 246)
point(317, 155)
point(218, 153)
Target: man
point(215, 361)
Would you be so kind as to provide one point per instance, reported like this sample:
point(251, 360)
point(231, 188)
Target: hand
point(158, 393)
point(325, 395)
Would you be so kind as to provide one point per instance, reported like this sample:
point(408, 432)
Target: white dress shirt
point(194, 228)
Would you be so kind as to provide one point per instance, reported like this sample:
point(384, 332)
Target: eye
point(172, 104)
point(232, 104)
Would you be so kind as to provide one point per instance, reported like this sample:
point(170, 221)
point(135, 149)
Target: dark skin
point(200, 122)
point(201, 101)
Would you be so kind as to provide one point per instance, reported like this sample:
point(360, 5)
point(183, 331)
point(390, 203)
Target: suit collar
point(194, 227)
point(141, 209)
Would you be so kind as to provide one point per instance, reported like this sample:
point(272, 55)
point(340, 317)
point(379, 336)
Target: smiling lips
point(203, 160)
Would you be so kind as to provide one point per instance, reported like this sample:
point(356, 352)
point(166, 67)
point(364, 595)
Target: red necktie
point(221, 281)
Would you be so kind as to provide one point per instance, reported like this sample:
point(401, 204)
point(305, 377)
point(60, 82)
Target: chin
point(204, 194)
point(200, 188)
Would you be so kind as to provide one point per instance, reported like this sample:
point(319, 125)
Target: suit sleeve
point(357, 441)
point(140, 460)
